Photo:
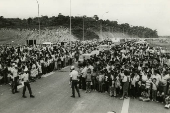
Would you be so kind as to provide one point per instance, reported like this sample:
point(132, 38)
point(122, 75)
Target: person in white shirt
point(158, 77)
point(74, 81)
point(39, 69)
point(125, 84)
point(133, 79)
point(91, 68)
point(164, 81)
point(84, 72)
point(144, 76)
point(25, 78)
point(14, 77)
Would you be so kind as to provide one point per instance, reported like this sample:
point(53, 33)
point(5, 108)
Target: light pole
point(122, 29)
point(83, 25)
point(38, 18)
point(70, 19)
point(131, 30)
point(101, 22)
point(83, 28)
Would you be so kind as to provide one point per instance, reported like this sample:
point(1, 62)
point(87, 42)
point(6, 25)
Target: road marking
point(65, 67)
point(111, 112)
point(125, 106)
point(46, 75)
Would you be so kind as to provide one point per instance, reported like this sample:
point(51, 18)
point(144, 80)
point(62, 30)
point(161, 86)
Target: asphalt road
point(53, 96)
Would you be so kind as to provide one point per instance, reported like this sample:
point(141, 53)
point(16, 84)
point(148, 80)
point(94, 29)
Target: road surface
point(53, 96)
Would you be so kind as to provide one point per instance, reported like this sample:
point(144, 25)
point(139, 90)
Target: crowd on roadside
point(36, 60)
point(128, 70)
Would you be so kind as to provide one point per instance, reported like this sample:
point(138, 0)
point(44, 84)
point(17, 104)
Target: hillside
point(105, 35)
point(19, 36)
point(164, 36)
point(56, 28)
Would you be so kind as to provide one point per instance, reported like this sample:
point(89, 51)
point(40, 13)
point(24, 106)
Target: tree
point(91, 25)
point(96, 17)
point(29, 20)
point(44, 20)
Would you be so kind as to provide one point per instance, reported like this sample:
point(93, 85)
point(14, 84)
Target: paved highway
point(53, 96)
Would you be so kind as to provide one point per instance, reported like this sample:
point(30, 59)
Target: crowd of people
point(128, 70)
point(16, 61)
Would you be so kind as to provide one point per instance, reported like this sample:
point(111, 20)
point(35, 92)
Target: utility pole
point(38, 18)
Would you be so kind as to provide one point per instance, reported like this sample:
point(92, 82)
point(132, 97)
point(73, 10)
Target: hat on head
point(72, 67)
point(13, 64)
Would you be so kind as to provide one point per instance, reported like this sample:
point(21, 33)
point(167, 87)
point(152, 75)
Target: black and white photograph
point(84, 56)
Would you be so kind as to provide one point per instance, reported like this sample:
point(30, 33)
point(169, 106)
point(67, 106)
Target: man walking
point(25, 78)
point(74, 81)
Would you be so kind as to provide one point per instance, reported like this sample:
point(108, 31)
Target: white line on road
point(66, 67)
point(46, 75)
point(125, 106)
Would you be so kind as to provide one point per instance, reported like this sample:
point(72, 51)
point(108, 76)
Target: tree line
point(91, 25)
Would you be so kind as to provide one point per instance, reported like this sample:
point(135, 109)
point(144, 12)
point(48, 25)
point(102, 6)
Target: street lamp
point(83, 26)
point(123, 32)
point(70, 17)
point(101, 22)
point(38, 18)
point(122, 28)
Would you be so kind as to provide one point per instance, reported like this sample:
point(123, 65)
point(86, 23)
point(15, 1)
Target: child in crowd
point(160, 96)
point(88, 80)
point(112, 86)
point(125, 85)
point(154, 89)
point(94, 75)
point(148, 85)
point(139, 87)
point(117, 85)
point(80, 75)
point(97, 81)
point(106, 82)
point(101, 81)
point(144, 96)
point(167, 101)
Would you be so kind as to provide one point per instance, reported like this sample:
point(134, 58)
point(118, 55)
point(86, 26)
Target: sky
point(154, 14)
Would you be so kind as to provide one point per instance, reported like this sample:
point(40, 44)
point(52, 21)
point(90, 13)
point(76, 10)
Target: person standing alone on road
point(25, 78)
point(74, 81)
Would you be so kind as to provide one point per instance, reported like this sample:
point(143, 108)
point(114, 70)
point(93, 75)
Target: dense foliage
point(91, 25)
